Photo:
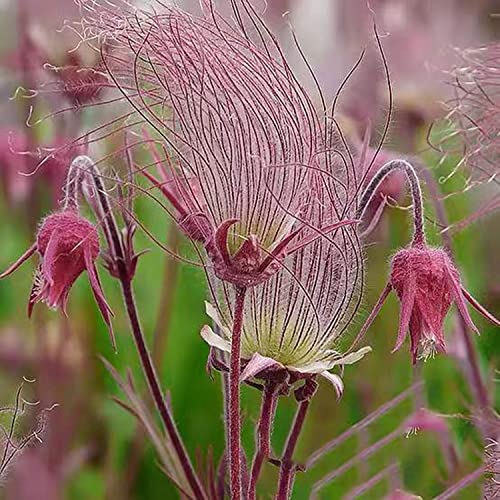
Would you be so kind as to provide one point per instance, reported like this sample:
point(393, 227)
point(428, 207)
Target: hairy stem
point(267, 413)
point(116, 247)
point(416, 194)
point(287, 468)
point(160, 338)
point(156, 392)
point(234, 398)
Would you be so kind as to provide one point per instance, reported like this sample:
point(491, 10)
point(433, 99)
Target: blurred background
point(88, 446)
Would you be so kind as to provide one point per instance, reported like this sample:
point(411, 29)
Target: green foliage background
point(196, 399)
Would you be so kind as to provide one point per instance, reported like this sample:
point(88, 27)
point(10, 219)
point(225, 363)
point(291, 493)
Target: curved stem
point(160, 338)
point(267, 412)
point(156, 392)
point(416, 194)
point(287, 469)
point(234, 397)
point(146, 360)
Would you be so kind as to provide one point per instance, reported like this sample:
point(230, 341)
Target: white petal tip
point(214, 340)
point(336, 381)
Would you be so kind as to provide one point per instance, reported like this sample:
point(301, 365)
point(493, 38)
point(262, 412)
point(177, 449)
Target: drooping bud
point(427, 283)
point(68, 245)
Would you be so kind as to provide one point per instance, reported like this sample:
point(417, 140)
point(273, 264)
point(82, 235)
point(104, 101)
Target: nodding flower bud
point(68, 245)
point(427, 283)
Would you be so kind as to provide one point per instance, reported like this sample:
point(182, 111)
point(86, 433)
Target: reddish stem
point(142, 349)
point(160, 337)
point(416, 194)
point(156, 392)
point(287, 469)
point(234, 397)
point(267, 413)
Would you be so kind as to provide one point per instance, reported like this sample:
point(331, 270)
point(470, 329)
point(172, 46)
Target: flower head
point(476, 110)
point(68, 245)
point(427, 283)
point(475, 115)
point(294, 320)
point(242, 132)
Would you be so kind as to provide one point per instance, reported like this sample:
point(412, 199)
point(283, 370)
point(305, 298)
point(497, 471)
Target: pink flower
point(243, 132)
point(68, 245)
point(476, 110)
point(427, 283)
point(475, 114)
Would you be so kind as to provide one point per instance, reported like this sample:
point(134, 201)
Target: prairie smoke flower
point(294, 320)
point(475, 117)
point(424, 279)
point(476, 111)
point(426, 283)
point(68, 245)
point(242, 132)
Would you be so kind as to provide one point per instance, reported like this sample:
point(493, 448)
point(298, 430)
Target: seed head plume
point(242, 134)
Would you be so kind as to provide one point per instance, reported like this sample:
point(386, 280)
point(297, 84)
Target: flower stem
point(160, 338)
point(156, 392)
point(267, 412)
point(287, 469)
point(125, 279)
point(416, 194)
point(234, 397)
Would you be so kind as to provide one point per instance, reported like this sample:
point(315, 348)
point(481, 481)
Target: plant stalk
point(416, 194)
point(267, 413)
point(287, 468)
point(234, 397)
point(144, 355)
